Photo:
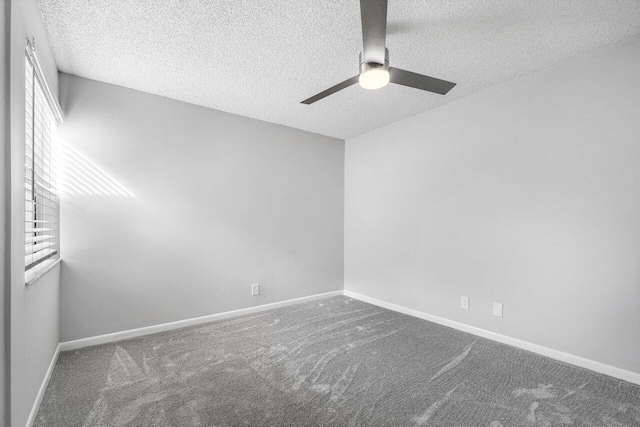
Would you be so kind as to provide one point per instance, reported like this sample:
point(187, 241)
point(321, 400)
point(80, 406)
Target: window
point(41, 204)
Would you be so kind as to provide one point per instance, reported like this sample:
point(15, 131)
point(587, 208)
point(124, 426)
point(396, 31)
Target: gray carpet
point(332, 362)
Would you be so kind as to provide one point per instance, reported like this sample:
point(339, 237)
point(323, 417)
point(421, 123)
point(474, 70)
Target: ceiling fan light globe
point(374, 78)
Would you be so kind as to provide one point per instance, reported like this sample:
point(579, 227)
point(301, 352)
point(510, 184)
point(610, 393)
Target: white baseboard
point(132, 333)
point(43, 388)
point(632, 377)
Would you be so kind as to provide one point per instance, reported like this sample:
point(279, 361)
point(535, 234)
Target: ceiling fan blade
point(374, 30)
point(419, 81)
point(331, 90)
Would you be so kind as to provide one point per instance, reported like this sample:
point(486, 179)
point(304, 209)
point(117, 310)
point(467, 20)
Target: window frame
point(42, 207)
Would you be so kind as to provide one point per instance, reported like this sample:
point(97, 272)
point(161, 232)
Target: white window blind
point(41, 194)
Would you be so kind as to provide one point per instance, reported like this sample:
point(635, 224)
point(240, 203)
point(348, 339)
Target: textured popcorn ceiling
point(261, 58)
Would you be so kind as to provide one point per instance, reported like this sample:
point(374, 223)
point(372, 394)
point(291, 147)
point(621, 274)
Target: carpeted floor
point(332, 362)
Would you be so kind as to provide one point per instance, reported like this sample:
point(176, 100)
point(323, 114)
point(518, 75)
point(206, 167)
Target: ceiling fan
point(375, 72)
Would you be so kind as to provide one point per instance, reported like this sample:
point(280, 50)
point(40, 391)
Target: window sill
point(40, 270)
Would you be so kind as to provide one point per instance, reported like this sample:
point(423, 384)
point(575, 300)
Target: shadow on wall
point(79, 175)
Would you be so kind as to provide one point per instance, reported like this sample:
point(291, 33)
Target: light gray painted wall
point(35, 336)
point(526, 194)
point(220, 202)
point(5, 196)
point(35, 309)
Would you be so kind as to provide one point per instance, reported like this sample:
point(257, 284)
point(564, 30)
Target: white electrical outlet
point(497, 309)
point(464, 303)
point(255, 289)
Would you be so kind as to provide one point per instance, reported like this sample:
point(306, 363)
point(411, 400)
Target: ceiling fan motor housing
point(365, 66)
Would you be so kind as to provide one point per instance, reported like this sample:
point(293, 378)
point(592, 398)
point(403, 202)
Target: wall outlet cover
point(497, 309)
point(464, 303)
point(255, 289)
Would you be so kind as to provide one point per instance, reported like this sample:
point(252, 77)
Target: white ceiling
point(261, 58)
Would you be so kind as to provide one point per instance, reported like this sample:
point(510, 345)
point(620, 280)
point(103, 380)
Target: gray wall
point(35, 308)
point(526, 194)
point(5, 195)
point(219, 202)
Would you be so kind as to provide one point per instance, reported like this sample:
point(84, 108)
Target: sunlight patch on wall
point(79, 175)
